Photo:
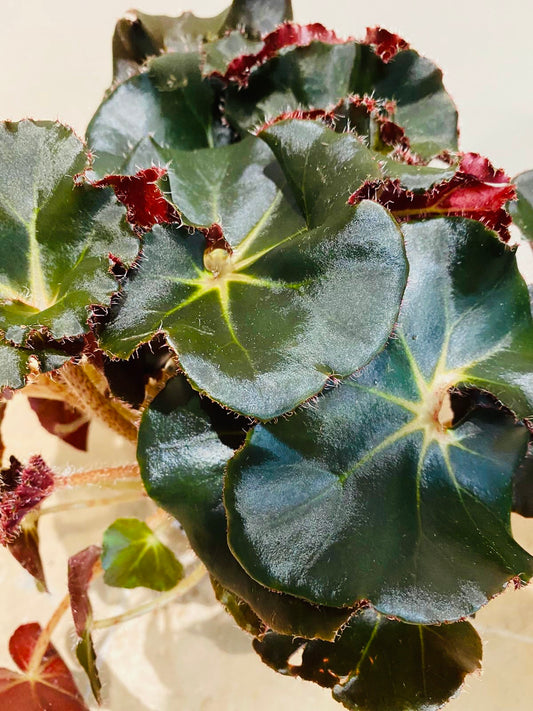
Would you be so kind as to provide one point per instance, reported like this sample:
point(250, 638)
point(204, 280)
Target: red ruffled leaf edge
point(477, 191)
point(145, 203)
point(288, 34)
point(384, 43)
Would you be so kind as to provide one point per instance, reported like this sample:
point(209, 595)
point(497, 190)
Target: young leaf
point(81, 567)
point(62, 420)
point(320, 75)
point(50, 686)
point(258, 17)
point(22, 489)
point(182, 463)
point(55, 237)
point(132, 556)
point(377, 454)
point(24, 547)
point(376, 664)
point(336, 274)
point(170, 103)
point(522, 209)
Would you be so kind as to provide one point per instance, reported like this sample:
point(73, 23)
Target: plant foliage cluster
point(272, 268)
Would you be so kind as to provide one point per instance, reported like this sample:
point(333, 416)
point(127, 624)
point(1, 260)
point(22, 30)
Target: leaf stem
point(94, 403)
point(44, 638)
point(107, 476)
point(90, 503)
point(161, 601)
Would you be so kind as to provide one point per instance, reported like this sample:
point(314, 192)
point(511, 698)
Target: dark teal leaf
point(220, 53)
point(55, 237)
point(133, 556)
point(320, 75)
point(370, 494)
point(182, 463)
point(522, 209)
point(258, 17)
point(139, 36)
point(312, 287)
point(169, 102)
point(376, 664)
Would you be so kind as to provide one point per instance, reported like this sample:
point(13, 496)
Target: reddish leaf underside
point(22, 488)
point(477, 191)
point(80, 572)
point(384, 43)
point(145, 203)
point(25, 549)
point(51, 686)
point(62, 420)
point(289, 34)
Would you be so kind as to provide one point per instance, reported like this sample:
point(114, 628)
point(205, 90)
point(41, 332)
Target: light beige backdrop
point(56, 63)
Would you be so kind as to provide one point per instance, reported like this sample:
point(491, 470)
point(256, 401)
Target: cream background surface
point(56, 63)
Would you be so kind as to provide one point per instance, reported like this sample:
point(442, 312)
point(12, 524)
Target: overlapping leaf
point(139, 36)
point(182, 462)
point(371, 495)
point(304, 286)
point(55, 237)
point(319, 75)
point(169, 102)
point(376, 664)
point(522, 209)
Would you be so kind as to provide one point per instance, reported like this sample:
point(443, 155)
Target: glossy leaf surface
point(49, 686)
point(335, 273)
point(522, 209)
point(182, 464)
point(376, 664)
point(377, 455)
point(170, 102)
point(54, 237)
point(320, 75)
point(132, 556)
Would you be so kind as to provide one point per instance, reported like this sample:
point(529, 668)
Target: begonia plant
point(271, 267)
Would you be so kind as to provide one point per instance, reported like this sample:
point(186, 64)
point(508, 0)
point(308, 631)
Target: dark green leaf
point(258, 17)
point(336, 274)
point(86, 656)
point(132, 556)
point(376, 664)
point(182, 464)
point(139, 36)
point(170, 102)
point(522, 209)
point(320, 75)
point(370, 495)
point(15, 363)
point(241, 612)
point(523, 486)
point(55, 238)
